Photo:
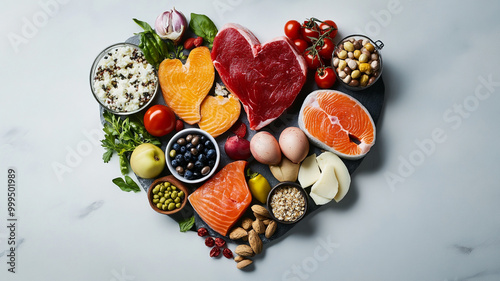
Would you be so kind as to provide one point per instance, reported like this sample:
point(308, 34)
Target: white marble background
point(415, 212)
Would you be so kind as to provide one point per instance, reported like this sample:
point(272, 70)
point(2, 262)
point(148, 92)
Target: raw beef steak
point(266, 78)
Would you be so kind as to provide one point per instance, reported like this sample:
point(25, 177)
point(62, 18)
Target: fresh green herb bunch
point(154, 48)
point(123, 135)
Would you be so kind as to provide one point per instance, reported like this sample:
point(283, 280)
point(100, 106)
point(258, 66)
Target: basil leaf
point(143, 24)
point(128, 186)
point(131, 183)
point(186, 224)
point(203, 26)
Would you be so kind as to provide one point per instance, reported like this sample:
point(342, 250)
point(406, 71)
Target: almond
point(260, 217)
point(244, 250)
point(271, 229)
point(261, 210)
point(244, 263)
point(246, 223)
point(259, 226)
point(266, 222)
point(238, 258)
point(255, 241)
point(237, 233)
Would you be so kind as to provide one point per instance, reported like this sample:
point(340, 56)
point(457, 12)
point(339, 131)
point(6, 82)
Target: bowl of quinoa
point(122, 80)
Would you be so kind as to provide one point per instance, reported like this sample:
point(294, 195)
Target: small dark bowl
point(378, 47)
point(179, 185)
point(287, 184)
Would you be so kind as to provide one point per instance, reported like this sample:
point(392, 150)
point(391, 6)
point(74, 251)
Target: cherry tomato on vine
point(292, 29)
point(325, 77)
point(309, 30)
point(326, 50)
point(159, 120)
point(301, 45)
point(313, 60)
point(327, 24)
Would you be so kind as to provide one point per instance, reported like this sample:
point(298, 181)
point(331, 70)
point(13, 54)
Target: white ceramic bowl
point(183, 134)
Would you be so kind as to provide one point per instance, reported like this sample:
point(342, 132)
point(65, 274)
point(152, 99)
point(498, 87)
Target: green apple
point(147, 161)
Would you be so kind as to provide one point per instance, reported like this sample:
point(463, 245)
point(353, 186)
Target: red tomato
point(313, 60)
point(301, 45)
point(327, 24)
point(159, 120)
point(326, 50)
point(325, 77)
point(309, 30)
point(292, 29)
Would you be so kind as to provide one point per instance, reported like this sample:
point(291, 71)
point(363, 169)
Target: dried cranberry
point(227, 253)
point(219, 242)
point(215, 252)
point(209, 242)
point(198, 41)
point(202, 232)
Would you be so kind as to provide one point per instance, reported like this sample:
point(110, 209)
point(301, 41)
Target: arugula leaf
point(126, 185)
point(204, 27)
point(186, 224)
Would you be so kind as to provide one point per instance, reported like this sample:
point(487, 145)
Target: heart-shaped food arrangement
point(231, 184)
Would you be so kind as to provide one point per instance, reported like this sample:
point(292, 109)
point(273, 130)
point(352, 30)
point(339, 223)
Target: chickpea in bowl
point(357, 62)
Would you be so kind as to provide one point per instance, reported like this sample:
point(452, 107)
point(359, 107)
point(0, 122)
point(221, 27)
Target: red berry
point(209, 242)
point(202, 232)
point(198, 41)
point(179, 125)
point(215, 252)
point(227, 253)
point(189, 43)
point(219, 242)
point(239, 128)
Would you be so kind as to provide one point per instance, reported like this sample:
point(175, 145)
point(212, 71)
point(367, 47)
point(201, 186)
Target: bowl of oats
point(122, 80)
point(287, 202)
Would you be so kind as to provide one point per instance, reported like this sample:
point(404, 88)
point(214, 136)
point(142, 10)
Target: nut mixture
point(288, 204)
point(124, 81)
point(357, 62)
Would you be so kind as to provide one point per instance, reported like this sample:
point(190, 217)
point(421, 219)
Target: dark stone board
point(372, 98)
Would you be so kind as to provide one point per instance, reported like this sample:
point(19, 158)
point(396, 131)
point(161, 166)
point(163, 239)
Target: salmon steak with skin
point(337, 122)
point(223, 199)
point(266, 78)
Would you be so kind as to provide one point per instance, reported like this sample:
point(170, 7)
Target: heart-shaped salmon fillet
point(266, 78)
point(185, 86)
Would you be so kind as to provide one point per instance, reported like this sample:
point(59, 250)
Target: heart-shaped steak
point(266, 78)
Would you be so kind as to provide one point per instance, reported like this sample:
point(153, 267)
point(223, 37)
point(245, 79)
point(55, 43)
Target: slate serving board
point(372, 98)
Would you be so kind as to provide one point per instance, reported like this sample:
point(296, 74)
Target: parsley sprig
point(123, 135)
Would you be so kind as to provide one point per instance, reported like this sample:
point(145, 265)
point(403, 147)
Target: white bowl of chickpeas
point(357, 61)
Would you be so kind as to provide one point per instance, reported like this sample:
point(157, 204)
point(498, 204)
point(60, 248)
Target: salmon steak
point(337, 122)
point(223, 199)
point(266, 78)
point(184, 87)
point(219, 113)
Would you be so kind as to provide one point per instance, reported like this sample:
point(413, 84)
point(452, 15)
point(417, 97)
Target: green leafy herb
point(186, 224)
point(204, 27)
point(123, 136)
point(127, 185)
point(154, 48)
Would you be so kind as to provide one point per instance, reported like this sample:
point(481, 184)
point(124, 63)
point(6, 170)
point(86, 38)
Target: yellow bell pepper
point(259, 186)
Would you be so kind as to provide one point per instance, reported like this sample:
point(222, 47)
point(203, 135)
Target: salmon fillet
point(224, 198)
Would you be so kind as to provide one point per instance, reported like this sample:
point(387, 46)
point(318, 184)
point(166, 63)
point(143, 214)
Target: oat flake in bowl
point(122, 80)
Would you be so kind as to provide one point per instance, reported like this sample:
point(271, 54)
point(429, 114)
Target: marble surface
point(422, 206)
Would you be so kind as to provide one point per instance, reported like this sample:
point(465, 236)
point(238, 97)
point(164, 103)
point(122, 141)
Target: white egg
point(294, 144)
point(265, 148)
